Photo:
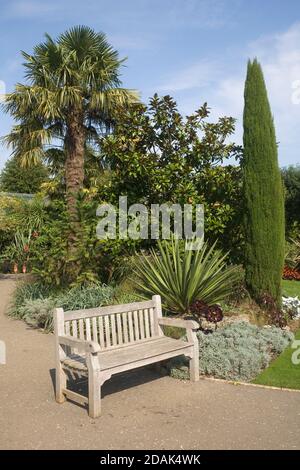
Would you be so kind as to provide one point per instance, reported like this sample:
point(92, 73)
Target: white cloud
point(280, 58)
point(201, 74)
point(279, 55)
point(30, 8)
point(123, 41)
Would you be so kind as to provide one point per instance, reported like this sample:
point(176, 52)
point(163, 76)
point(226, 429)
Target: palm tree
point(72, 89)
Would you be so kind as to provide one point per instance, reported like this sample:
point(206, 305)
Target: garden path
point(140, 409)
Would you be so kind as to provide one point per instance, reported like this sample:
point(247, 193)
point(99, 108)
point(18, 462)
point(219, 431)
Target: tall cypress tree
point(263, 190)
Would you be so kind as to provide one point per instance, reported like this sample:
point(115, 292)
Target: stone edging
point(232, 382)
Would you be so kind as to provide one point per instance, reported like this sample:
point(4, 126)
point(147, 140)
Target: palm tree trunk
point(74, 176)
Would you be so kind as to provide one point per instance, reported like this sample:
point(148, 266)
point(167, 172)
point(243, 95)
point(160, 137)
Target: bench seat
point(131, 354)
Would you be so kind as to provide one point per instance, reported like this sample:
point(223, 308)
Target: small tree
point(72, 89)
point(264, 206)
point(291, 179)
point(15, 178)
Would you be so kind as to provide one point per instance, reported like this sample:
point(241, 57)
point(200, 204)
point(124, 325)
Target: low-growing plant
point(237, 351)
point(28, 291)
point(89, 296)
point(291, 306)
point(34, 302)
point(211, 313)
point(38, 313)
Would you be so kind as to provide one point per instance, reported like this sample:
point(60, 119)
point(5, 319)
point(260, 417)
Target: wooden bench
point(99, 342)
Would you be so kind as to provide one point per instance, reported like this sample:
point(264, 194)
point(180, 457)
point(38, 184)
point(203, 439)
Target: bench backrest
point(113, 326)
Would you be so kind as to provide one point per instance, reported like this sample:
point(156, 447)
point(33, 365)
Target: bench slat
point(113, 330)
point(136, 325)
point(101, 333)
point(125, 327)
point(88, 329)
point(81, 329)
point(119, 328)
point(94, 329)
point(67, 328)
point(152, 325)
point(74, 329)
point(107, 331)
point(147, 327)
point(130, 326)
point(109, 310)
point(141, 324)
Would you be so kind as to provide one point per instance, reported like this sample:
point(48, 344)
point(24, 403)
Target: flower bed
point(291, 274)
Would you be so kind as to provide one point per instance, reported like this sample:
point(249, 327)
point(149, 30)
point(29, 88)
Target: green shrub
point(238, 351)
point(34, 303)
point(90, 296)
point(38, 313)
point(27, 292)
point(181, 275)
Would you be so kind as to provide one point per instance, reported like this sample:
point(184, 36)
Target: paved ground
point(140, 410)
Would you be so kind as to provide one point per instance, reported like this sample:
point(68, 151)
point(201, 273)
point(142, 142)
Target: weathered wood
point(67, 328)
point(94, 380)
point(101, 333)
point(107, 331)
point(157, 315)
point(130, 327)
point(179, 323)
point(60, 355)
point(125, 327)
point(74, 329)
point(82, 400)
point(94, 329)
point(194, 359)
point(113, 330)
point(79, 344)
point(136, 325)
point(119, 328)
point(147, 327)
point(109, 310)
point(152, 325)
point(81, 329)
point(141, 324)
point(88, 329)
point(115, 339)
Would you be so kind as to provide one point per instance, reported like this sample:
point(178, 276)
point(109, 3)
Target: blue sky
point(195, 50)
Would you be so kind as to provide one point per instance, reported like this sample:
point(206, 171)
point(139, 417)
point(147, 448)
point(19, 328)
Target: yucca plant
point(181, 276)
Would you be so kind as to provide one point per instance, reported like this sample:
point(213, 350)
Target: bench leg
point(194, 369)
point(194, 357)
point(94, 394)
point(60, 384)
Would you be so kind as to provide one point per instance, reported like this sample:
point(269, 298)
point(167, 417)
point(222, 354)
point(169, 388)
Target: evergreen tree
point(263, 190)
point(15, 178)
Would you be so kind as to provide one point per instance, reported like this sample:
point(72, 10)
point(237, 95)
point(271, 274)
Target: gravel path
point(140, 410)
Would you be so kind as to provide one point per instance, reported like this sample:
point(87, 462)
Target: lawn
point(291, 288)
point(282, 372)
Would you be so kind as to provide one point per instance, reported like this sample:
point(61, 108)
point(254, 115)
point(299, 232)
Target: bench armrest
point(81, 344)
point(179, 323)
